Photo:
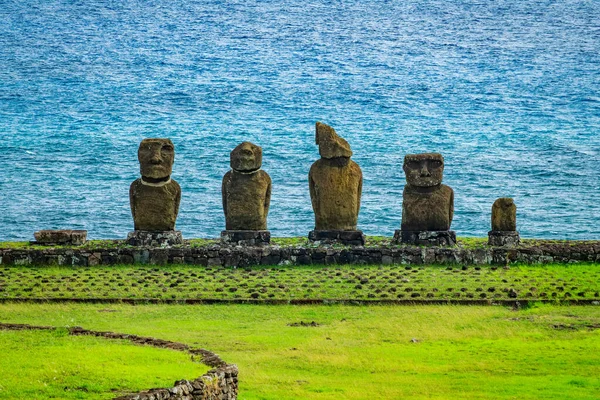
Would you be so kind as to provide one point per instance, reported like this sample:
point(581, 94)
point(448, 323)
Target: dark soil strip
point(572, 327)
point(400, 302)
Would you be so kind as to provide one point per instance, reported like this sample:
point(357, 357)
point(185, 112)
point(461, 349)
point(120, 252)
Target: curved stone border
point(220, 383)
point(243, 256)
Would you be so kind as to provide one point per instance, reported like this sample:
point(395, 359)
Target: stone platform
point(249, 238)
point(350, 238)
point(425, 238)
point(503, 238)
point(220, 255)
point(154, 238)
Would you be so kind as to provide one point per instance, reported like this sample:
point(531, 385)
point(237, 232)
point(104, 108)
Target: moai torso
point(154, 208)
point(335, 183)
point(335, 189)
point(154, 198)
point(504, 215)
point(246, 190)
point(427, 204)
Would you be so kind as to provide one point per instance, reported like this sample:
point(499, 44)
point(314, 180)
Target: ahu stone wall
point(219, 255)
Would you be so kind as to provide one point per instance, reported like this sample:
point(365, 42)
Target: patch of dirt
point(302, 323)
point(576, 327)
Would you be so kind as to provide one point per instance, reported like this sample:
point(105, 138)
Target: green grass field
point(395, 282)
point(354, 352)
point(54, 365)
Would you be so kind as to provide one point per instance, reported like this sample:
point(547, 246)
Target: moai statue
point(504, 223)
point(335, 183)
point(428, 205)
point(246, 194)
point(154, 198)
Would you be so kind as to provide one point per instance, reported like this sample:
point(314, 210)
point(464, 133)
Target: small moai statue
point(504, 223)
point(246, 192)
point(427, 205)
point(155, 197)
point(335, 183)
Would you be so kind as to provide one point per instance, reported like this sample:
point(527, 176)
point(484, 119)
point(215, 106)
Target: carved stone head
point(424, 170)
point(246, 157)
point(156, 158)
point(504, 215)
point(330, 144)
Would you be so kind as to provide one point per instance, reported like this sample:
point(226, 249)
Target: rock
point(351, 238)
point(504, 215)
point(246, 190)
point(335, 183)
point(250, 238)
point(155, 197)
point(503, 238)
point(425, 238)
point(154, 238)
point(60, 237)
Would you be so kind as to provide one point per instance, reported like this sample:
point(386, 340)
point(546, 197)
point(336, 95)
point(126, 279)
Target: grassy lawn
point(353, 352)
point(54, 365)
point(395, 282)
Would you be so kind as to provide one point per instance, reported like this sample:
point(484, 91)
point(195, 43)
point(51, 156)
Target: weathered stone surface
point(243, 256)
point(154, 238)
point(504, 215)
point(425, 238)
point(503, 238)
point(427, 205)
point(250, 238)
point(330, 144)
point(62, 236)
point(351, 238)
point(155, 197)
point(246, 190)
point(335, 183)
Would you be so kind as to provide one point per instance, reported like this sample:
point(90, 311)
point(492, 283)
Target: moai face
point(246, 157)
point(424, 170)
point(156, 158)
point(330, 144)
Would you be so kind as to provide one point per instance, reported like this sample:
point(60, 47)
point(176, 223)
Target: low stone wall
point(220, 383)
point(243, 256)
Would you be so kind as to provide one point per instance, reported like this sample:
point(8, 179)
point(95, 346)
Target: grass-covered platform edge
point(298, 251)
point(220, 382)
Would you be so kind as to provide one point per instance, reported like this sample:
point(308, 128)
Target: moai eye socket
point(435, 163)
point(413, 164)
point(167, 148)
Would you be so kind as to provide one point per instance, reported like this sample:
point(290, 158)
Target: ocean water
point(507, 91)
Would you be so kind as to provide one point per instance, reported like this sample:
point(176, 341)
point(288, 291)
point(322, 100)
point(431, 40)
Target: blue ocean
point(508, 91)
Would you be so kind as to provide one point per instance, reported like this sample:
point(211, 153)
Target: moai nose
point(156, 158)
point(425, 170)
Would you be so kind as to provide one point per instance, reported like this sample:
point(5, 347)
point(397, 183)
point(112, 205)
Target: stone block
point(246, 237)
point(425, 238)
point(503, 238)
point(50, 237)
point(351, 238)
point(154, 238)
